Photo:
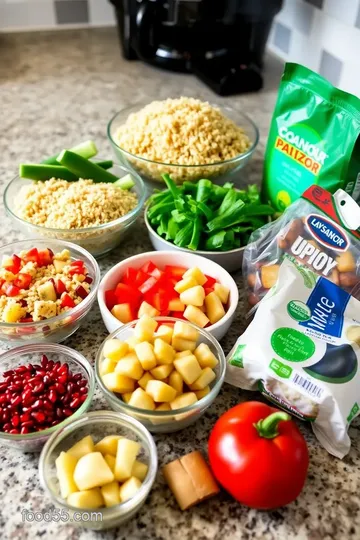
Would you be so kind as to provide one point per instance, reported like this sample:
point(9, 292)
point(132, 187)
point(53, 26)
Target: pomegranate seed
point(82, 383)
point(37, 367)
point(83, 390)
point(7, 426)
point(5, 416)
point(47, 405)
point(60, 388)
point(14, 431)
point(46, 379)
point(68, 412)
point(59, 413)
point(63, 378)
point(39, 416)
point(30, 367)
point(34, 380)
point(24, 430)
point(57, 365)
point(25, 417)
point(77, 377)
point(38, 388)
point(15, 420)
point(66, 399)
point(51, 364)
point(74, 404)
point(16, 401)
point(3, 387)
point(52, 396)
point(83, 398)
point(70, 387)
point(3, 398)
point(41, 372)
point(37, 404)
point(44, 361)
point(8, 373)
point(54, 422)
point(28, 423)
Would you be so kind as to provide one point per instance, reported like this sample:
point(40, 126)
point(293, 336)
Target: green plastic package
point(313, 139)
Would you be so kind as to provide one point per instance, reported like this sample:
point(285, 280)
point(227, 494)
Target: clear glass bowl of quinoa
point(184, 137)
point(95, 216)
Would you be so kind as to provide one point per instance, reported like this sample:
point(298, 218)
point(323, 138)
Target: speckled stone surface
point(57, 89)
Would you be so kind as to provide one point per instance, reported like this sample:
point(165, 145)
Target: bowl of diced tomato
point(165, 283)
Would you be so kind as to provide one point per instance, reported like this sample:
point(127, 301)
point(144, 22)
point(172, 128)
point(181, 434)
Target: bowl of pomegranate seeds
point(46, 290)
point(41, 388)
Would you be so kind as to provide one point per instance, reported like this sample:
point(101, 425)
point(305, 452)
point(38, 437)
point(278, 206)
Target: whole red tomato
point(258, 455)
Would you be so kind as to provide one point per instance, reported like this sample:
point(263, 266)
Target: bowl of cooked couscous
point(93, 215)
point(184, 137)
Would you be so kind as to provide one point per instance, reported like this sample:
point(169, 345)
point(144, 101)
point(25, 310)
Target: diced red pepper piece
point(129, 277)
point(178, 315)
point(159, 300)
point(175, 271)
point(141, 277)
point(46, 257)
point(210, 282)
point(148, 267)
point(110, 299)
point(165, 313)
point(15, 266)
point(59, 286)
point(32, 256)
point(208, 290)
point(67, 301)
point(126, 294)
point(9, 289)
point(22, 281)
point(80, 291)
point(148, 285)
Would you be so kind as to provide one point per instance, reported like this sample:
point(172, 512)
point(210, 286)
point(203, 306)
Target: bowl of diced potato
point(165, 372)
point(99, 469)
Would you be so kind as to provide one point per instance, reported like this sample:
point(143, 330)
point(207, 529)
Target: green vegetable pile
point(205, 216)
point(73, 164)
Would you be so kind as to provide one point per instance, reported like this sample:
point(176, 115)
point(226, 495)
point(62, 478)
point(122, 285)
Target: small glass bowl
point(98, 240)
point(223, 171)
point(98, 424)
point(57, 328)
point(165, 421)
point(33, 442)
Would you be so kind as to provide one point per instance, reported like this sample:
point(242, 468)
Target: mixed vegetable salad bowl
point(191, 401)
point(164, 126)
point(47, 288)
point(97, 239)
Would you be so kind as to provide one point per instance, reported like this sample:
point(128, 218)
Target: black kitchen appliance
point(221, 41)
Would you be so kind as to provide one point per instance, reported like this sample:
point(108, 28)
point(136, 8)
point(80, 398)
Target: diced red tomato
point(46, 257)
point(129, 278)
point(59, 287)
point(150, 283)
point(15, 266)
point(67, 301)
point(178, 315)
point(22, 281)
point(110, 299)
point(210, 282)
point(31, 256)
point(9, 289)
point(175, 271)
point(126, 294)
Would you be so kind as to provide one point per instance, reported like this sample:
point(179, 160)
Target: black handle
point(145, 23)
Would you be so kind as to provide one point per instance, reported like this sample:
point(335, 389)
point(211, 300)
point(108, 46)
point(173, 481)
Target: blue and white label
point(327, 304)
point(327, 233)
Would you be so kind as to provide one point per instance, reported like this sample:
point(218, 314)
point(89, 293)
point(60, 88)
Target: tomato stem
point(268, 427)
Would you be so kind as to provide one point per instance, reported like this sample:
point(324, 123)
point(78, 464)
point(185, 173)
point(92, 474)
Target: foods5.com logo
point(327, 233)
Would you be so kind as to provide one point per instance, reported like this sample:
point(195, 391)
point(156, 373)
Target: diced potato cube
point(115, 349)
point(87, 499)
point(180, 344)
point(116, 382)
point(176, 305)
point(65, 467)
point(125, 458)
point(164, 332)
point(222, 292)
point(111, 460)
point(145, 328)
point(139, 470)
point(130, 366)
point(160, 391)
point(196, 316)
point(145, 353)
point(129, 488)
point(197, 274)
point(164, 352)
point(189, 398)
point(181, 354)
point(189, 368)
point(142, 400)
point(194, 296)
point(147, 309)
point(185, 284)
point(205, 356)
point(123, 313)
point(175, 380)
point(82, 447)
point(185, 331)
point(108, 445)
point(132, 342)
point(206, 377)
point(107, 366)
point(161, 372)
point(144, 380)
point(126, 396)
point(214, 308)
point(110, 493)
point(92, 471)
point(202, 393)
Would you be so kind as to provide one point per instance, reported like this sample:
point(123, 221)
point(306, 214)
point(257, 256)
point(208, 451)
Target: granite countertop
point(57, 89)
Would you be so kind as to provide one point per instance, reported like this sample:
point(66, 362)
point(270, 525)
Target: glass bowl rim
point(85, 303)
point(129, 423)
point(132, 214)
point(239, 157)
point(206, 400)
point(76, 357)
